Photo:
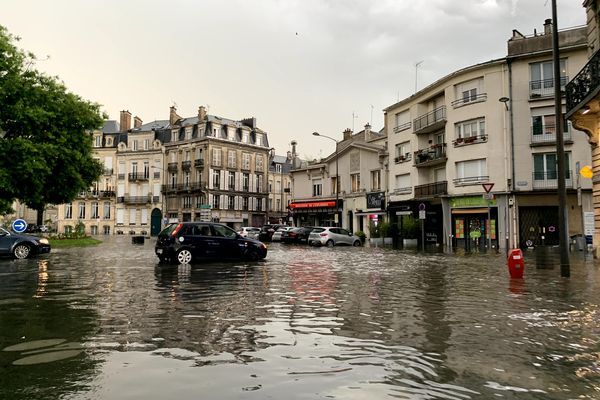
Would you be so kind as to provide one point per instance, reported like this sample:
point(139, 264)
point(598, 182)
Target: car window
point(202, 230)
point(318, 230)
point(168, 229)
point(344, 232)
point(222, 230)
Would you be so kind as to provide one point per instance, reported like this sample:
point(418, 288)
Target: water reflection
point(315, 322)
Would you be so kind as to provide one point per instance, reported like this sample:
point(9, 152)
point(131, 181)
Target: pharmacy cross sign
point(487, 187)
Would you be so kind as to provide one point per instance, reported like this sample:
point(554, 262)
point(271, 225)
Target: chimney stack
point(201, 113)
point(548, 27)
point(294, 143)
point(125, 121)
point(137, 122)
point(347, 133)
point(173, 117)
point(367, 132)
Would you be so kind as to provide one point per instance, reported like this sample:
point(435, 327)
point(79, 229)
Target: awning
point(469, 210)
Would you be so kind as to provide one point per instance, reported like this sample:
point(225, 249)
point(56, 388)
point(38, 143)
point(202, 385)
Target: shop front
point(315, 213)
point(474, 223)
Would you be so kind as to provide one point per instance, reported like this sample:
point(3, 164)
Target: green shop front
point(474, 222)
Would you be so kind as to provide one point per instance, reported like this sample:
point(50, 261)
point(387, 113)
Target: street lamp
point(337, 177)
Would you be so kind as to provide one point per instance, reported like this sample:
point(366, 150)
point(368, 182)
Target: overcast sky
point(298, 66)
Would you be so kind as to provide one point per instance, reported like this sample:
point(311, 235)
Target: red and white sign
point(487, 187)
point(313, 204)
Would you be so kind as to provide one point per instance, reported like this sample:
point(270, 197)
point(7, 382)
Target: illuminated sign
point(313, 204)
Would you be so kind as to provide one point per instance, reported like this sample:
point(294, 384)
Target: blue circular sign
point(19, 225)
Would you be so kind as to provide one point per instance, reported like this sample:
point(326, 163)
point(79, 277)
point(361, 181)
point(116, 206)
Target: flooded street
point(108, 322)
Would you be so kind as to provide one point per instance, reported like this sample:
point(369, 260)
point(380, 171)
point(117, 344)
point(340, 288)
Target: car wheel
point(163, 259)
point(356, 243)
point(330, 243)
point(22, 251)
point(253, 255)
point(184, 256)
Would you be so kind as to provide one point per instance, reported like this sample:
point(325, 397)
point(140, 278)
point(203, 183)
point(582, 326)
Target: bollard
point(516, 263)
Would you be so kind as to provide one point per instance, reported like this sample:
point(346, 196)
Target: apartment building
point(583, 110)
point(345, 188)
point(473, 154)
point(216, 169)
point(280, 187)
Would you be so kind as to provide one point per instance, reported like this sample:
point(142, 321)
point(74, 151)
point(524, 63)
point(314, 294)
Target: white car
point(332, 236)
point(277, 234)
point(249, 232)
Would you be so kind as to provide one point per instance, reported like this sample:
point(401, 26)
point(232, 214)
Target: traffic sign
point(487, 187)
point(422, 207)
point(422, 214)
point(19, 225)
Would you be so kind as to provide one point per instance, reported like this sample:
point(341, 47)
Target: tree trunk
point(40, 217)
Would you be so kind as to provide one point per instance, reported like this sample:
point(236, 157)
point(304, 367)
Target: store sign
point(470, 201)
point(313, 204)
point(376, 200)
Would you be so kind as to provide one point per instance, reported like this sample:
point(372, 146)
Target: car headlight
point(44, 241)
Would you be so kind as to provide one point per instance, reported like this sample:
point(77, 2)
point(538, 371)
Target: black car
point(187, 242)
point(17, 245)
point(267, 231)
point(297, 235)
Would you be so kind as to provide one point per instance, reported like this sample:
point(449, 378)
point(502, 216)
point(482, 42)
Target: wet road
point(308, 323)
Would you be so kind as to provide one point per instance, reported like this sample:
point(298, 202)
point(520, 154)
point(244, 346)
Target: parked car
point(332, 236)
point(277, 235)
point(266, 232)
point(249, 231)
point(297, 235)
point(187, 242)
point(17, 245)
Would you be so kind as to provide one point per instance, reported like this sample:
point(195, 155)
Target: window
point(146, 169)
point(187, 201)
point(403, 184)
point(471, 129)
point(278, 168)
point(471, 172)
point(231, 180)
point(259, 163)
point(245, 182)
point(144, 218)
point(231, 159)
point(335, 187)
point(546, 125)
point(146, 144)
point(278, 205)
point(402, 121)
point(403, 152)
point(231, 202)
point(216, 201)
point(246, 161)
point(468, 92)
point(375, 180)
point(107, 210)
point(216, 179)
point(259, 183)
point(317, 187)
point(95, 213)
point(132, 216)
point(98, 141)
point(259, 202)
point(545, 167)
point(542, 78)
point(68, 211)
point(216, 161)
point(355, 182)
point(245, 203)
point(81, 211)
point(135, 145)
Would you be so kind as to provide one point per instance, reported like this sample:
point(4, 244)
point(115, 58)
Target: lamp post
point(337, 177)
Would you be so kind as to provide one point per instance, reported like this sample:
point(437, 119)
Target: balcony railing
point(186, 165)
point(470, 180)
point(199, 163)
point(108, 171)
point(431, 189)
point(139, 176)
point(547, 134)
point(461, 141)
point(545, 87)
point(431, 121)
point(402, 127)
point(478, 98)
point(586, 82)
point(104, 194)
point(183, 187)
point(404, 158)
point(549, 180)
point(134, 199)
point(430, 156)
point(172, 167)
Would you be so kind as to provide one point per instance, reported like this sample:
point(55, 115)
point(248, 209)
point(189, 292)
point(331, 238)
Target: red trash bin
point(516, 263)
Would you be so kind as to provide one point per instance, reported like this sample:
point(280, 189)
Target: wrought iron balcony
point(462, 141)
point(139, 176)
point(585, 84)
point(199, 163)
point(134, 199)
point(186, 165)
point(432, 121)
point(431, 189)
point(104, 194)
point(108, 171)
point(463, 101)
point(471, 180)
point(543, 180)
point(430, 156)
point(172, 167)
point(402, 127)
point(545, 87)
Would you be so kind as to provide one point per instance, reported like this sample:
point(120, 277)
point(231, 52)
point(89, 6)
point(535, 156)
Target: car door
point(343, 236)
point(6, 241)
point(227, 243)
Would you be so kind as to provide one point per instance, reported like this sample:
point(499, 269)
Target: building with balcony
point(280, 186)
point(583, 110)
point(488, 126)
point(351, 182)
point(216, 170)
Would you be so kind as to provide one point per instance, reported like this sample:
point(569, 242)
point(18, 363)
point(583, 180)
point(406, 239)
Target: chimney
point(548, 27)
point(137, 122)
point(173, 117)
point(289, 155)
point(367, 132)
point(201, 113)
point(347, 134)
point(125, 121)
point(294, 143)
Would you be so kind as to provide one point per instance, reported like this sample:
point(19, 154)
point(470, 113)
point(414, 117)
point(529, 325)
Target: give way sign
point(487, 187)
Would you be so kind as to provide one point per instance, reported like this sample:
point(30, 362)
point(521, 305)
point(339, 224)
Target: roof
point(111, 126)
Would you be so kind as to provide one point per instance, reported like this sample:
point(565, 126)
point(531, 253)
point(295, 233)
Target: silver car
point(332, 236)
point(249, 232)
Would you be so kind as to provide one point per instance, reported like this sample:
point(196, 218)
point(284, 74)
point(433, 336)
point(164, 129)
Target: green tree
point(45, 141)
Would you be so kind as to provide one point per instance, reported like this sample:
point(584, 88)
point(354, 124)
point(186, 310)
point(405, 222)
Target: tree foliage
point(45, 144)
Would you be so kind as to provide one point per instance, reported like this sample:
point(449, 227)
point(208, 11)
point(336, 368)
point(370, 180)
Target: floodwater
point(308, 323)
